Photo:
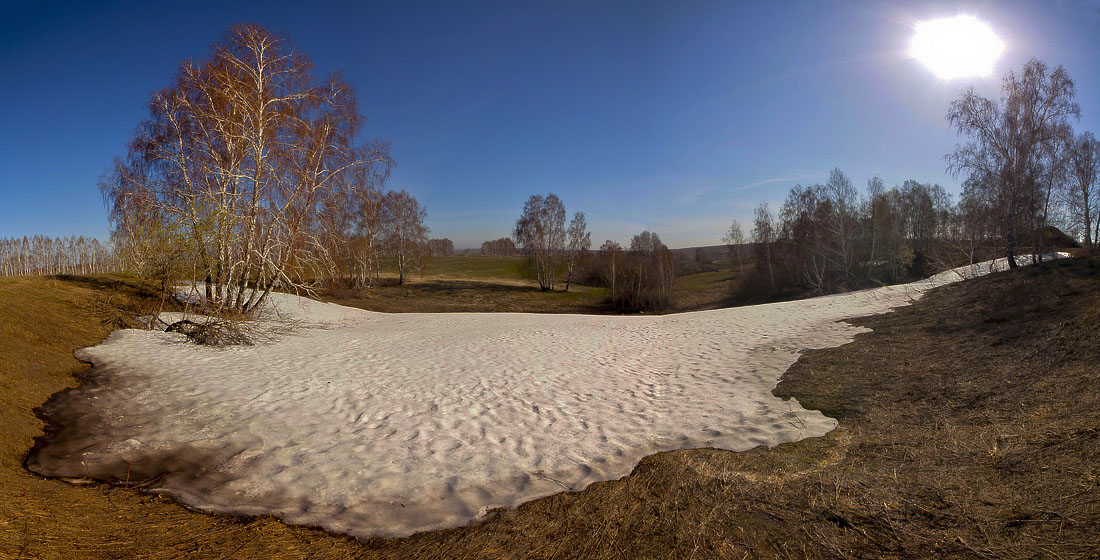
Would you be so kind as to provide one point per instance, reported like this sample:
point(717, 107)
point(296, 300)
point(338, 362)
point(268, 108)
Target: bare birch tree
point(235, 162)
point(875, 213)
point(763, 234)
point(612, 255)
point(1007, 139)
point(406, 234)
point(540, 233)
point(579, 241)
point(369, 229)
point(1051, 175)
point(1082, 192)
point(735, 244)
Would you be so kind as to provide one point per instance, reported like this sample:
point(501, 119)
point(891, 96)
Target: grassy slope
point(707, 290)
point(968, 429)
point(477, 266)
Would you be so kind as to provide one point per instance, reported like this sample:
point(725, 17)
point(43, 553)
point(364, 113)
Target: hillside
point(967, 429)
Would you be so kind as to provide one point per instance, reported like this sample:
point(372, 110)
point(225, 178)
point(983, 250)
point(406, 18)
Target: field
point(967, 429)
point(475, 283)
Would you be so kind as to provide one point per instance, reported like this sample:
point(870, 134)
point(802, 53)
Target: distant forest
point(39, 255)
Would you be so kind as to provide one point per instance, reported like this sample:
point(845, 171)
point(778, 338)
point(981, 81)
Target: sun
point(956, 47)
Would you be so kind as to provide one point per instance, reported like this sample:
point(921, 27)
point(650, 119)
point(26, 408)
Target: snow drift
point(387, 424)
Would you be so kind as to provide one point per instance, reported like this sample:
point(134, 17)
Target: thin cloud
point(783, 179)
point(694, 196)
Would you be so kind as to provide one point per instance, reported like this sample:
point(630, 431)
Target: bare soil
point(969, 428)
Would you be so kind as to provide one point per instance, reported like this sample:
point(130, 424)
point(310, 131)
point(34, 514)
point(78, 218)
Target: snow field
point(379, 424)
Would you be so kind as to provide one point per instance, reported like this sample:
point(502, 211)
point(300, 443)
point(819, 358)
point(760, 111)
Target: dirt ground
point(969, 428)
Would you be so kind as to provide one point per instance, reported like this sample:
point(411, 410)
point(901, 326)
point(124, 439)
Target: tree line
point(827, 238)
point(441, 247)
point(41, 255)
point(1025, 171)
point(502, 247)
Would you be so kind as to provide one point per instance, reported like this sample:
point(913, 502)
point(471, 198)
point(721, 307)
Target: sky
point(674, 117)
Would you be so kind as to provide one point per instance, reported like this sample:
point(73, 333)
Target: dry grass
point(42, 320)
point(968, 430)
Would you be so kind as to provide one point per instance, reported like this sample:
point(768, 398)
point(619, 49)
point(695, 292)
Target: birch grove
point(40, 255)
point(229, 178)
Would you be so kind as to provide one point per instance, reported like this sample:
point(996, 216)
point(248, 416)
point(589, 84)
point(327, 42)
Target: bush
point(214, 331)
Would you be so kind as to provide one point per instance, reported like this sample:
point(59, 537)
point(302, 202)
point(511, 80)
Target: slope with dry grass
point(42, 320)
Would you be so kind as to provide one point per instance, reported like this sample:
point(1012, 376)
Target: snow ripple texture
point(379, 424)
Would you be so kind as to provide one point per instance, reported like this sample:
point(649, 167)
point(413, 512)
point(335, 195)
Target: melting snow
point(387, 424)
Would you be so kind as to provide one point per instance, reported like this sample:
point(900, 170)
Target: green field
point(475, 283)
point(477, 267)
point(707, 290)
point(470, 283)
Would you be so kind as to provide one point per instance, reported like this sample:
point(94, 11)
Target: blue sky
point(670, 116)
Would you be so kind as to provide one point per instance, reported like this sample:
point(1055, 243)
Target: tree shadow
point(455, 286)
point(105, 283)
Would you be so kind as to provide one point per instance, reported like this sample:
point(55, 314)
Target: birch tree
point(235, 163)
point(369, 229)
point(612, 252)
point(406, 234)
point(763, 234)
point(1006, 139)
point(579, 241)
point(540, 233)
point(735, 243)
point(1082, 192)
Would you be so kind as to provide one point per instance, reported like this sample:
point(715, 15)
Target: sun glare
point(956, 47)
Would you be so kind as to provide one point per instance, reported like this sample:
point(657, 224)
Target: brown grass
point(968, 429)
